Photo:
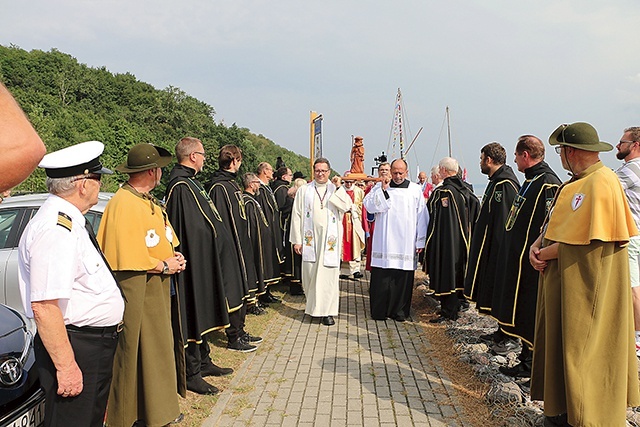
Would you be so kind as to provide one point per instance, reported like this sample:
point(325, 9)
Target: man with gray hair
point(629, 175)
point(453, 209)
point(68, 288)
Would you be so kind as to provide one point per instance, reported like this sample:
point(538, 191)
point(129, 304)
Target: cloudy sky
point(504, 68)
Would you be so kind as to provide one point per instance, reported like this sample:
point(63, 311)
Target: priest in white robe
point(316, 234)
point(401, 229)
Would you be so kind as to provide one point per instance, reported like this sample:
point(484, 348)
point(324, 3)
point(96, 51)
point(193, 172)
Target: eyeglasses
point(204, 156)
point(622, 141)
point(559, 149)
point(321, 170)
point(93, 177)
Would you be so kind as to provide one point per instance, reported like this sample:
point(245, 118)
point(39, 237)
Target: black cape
point(205, 243)
point(227, 198)
point(453, 209)
point(488, 234)
point(260, 236)
point(280, 189)
point(274, 250)
point(516, 288)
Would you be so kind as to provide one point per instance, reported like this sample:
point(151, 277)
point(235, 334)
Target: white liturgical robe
point(401, 225)
point(321, 261)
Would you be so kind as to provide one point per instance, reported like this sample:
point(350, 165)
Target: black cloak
point(453, 209)
point(516, 289)
point(285, 204)
point(488, 234)
point(227, 198)
point(274, 252)
point(260, 236)
point(205, 243)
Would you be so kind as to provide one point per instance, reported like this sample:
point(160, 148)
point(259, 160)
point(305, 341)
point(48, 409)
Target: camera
point(382, 158)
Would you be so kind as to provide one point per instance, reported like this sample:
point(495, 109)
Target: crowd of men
point(124, 316)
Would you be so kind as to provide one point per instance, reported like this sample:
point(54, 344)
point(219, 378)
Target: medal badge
point(498, 196)
point(445, 202)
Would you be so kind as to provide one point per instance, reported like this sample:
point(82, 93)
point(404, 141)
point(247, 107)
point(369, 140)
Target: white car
point(15, 213)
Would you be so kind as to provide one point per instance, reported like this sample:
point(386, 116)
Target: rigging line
point(435, 150)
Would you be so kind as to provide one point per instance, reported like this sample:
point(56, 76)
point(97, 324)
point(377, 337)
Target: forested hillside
point(69, 102)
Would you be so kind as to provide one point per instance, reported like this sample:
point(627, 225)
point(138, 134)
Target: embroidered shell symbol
point(152, 239)
point(168, 233)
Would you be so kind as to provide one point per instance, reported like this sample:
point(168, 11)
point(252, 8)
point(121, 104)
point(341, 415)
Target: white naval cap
point(75, 160)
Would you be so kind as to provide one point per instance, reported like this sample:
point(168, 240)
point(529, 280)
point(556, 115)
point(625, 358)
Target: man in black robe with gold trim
point(488, 231)
point(273, 250)
point(227, 198)
point(516, 289)
point(207, 244)
point(259, 231)
point(453, 209)
point(281, 186)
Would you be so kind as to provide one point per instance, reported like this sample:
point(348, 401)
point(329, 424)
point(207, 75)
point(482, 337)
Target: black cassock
point(274, 253)
point(488, 234)
point(205, 243)
point(453, 209)
point(516, 288)
point(227, 198)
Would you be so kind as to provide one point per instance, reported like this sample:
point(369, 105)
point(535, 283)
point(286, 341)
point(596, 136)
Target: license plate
point(33, 417)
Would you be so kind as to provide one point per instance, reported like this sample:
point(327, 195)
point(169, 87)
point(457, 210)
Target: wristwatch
point(165, 269)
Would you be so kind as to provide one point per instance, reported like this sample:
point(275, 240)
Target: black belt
point(96, 330)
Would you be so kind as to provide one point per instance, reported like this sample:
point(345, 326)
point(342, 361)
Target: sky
point(504, 68)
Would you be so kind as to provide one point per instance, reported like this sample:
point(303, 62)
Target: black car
point(21, 398)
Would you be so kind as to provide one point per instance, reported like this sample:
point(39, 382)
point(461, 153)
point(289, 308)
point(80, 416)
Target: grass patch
point(196, 408)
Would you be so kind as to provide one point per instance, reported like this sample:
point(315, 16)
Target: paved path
point(359, 372)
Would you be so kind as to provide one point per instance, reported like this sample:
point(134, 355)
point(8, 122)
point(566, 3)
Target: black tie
point(93, 239)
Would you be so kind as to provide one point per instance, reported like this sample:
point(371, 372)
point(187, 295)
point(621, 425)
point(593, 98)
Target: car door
point(12, 222)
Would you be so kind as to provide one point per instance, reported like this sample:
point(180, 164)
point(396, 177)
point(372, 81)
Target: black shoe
point(464, 306)
point(250, 339)
point(242, 346)
point(556, 421)
point(296, 289)
point(263, 301)
point(343, 276)
point(256, 309)
point(273, 298)
point(440, 319)
point(212, 370)
point(518, 371)
point(328, 320)
point(358, 275)
point(400, 318)
point(196, 384)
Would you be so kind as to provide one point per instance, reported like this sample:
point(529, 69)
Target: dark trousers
point(94, 356)
point(236, 323)
point(197, 357)
point(450, 304)
point(390, 293)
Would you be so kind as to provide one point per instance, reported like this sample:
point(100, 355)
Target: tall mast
point(448, 131)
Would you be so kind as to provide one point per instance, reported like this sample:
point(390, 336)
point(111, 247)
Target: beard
point(620, 155)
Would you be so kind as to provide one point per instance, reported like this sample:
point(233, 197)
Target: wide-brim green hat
point(579, 135)
point(143, 157)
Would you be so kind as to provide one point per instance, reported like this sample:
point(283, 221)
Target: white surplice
point(401, 226)
point(320, 283)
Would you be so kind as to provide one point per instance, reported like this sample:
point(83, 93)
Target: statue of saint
point(357, 156)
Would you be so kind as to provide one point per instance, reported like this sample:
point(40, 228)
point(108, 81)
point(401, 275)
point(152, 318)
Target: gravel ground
point(508, 398)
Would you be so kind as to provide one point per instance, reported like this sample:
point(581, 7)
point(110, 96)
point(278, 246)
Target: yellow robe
point(148, 367)
point(584, 361)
